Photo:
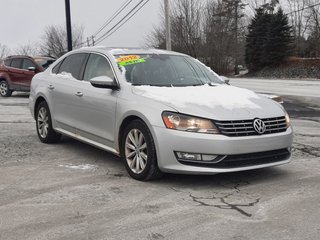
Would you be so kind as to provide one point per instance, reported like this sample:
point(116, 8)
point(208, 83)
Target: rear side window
point(73, 64)
point(97, 66)
point(27, 63)
point(16, 63)
point(7, 62)
point(55, 69)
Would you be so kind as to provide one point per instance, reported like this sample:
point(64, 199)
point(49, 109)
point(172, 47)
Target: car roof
point(18, 56)
point(129, 50)
point(44, 57)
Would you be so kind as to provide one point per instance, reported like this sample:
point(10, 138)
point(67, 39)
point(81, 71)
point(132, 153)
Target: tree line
point(221, 32)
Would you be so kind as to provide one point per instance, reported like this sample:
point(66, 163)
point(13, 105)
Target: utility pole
point(168, 26)
point(68, 21)
point(236, 16)
point(93, 42)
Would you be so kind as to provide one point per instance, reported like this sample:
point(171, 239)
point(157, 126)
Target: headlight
point(287, 120)
point(188, 123)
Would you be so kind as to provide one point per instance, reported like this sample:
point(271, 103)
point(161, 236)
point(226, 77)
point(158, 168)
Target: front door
point(96, 107)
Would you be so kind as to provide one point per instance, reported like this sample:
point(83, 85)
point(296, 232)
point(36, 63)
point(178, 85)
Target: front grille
point(245, 160)
point(239, 128)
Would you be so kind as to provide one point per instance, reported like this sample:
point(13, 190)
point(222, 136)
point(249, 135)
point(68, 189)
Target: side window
point(73, 64)
point(55, 69)
point(16, 63)
point(97, 66)
point(7, 62)
point(27, 63)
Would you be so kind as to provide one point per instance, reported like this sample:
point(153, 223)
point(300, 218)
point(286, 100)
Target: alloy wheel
point(3, 88)
point(136, 151)
point(43, 124)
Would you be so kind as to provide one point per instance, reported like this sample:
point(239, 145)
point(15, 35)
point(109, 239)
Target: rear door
point(62, 88)
point(16, 73)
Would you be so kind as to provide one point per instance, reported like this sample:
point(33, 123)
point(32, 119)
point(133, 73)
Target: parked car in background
point(16, 72)
point(161, 111)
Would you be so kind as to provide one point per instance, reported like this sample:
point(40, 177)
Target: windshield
point(165, 70)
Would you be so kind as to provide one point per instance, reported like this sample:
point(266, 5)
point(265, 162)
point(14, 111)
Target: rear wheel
point(45, 131)
point(139, 153)
point(4, 89)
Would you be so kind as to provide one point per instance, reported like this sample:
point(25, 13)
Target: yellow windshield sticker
point(130, 59)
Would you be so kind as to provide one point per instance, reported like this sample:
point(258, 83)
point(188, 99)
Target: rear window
point(7, 62)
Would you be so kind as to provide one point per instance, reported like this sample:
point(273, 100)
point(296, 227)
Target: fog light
point(184, 156)
point(188, 156)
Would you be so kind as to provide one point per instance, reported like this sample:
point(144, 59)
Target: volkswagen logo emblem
point(259, 126)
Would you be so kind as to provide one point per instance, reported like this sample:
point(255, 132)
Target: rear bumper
point(168, 141)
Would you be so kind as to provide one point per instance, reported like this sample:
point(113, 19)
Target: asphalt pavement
point(71, 190)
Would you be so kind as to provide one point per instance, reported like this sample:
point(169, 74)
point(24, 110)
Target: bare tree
point(186, 26)
point(54, 40)
point(27, 49)
point(313, 46)
point(4, 51)
point(204, 30)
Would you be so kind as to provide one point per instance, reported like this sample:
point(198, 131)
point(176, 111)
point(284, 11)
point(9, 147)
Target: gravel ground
point(71, 191)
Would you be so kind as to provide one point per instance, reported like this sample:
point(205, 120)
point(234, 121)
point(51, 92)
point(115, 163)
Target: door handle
point(51, 87)
point(79, 94)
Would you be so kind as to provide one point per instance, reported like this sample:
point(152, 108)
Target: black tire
point(48, 135)
point(151, 170)
point(4, 89)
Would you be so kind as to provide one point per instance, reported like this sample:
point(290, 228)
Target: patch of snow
point(80, 167)
point(220, 96)
point(116, 51)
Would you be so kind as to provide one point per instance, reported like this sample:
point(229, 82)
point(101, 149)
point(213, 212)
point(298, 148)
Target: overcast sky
point(24, 21)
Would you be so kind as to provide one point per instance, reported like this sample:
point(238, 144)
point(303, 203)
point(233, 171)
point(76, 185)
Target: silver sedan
point(160, 111)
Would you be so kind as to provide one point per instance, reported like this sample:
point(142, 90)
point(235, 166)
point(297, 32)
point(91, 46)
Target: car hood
point(221, 102)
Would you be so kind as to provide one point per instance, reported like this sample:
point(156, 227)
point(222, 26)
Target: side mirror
point(104, 82)
point(32, 69)
point(225, 79)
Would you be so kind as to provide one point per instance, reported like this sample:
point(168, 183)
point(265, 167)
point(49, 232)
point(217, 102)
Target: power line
point(299, 10)
point(122, 7)
point(121, 23)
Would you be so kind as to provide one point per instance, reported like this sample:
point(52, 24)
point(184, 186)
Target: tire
point(138, 152)
point(45, 131)
point(4, 89)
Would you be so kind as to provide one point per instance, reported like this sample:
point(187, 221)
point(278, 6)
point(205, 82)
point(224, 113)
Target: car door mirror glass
point(103, 82)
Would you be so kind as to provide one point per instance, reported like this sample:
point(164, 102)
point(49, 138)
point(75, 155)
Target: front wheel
point(4, 89)
point(139, 153)
point(45, 131)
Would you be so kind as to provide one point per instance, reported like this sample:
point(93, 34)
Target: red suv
point(16, 72)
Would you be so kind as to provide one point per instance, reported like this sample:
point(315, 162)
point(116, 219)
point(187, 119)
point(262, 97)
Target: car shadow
point(103, 158)
point(255, 176)
point(20, 94)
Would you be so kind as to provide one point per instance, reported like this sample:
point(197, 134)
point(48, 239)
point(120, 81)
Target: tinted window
point(97, 66)
point(16, 63)
point(7, 62)
point(73, 64)
point(55, 69)
point(27, 63)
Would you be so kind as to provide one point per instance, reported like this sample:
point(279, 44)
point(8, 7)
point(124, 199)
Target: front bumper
point(168, 141)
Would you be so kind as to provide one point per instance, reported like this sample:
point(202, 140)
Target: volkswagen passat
point(160, 111)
